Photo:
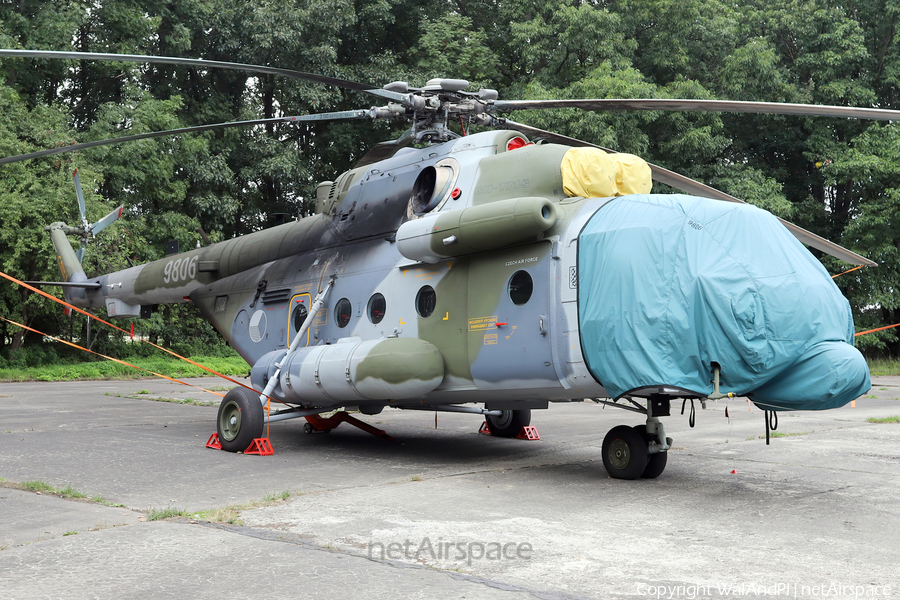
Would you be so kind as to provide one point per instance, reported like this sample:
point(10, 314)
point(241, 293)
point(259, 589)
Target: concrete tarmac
point(443, 512)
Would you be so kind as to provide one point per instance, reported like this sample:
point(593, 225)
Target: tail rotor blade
point(81, 206)
point(106, 221)
point(80, 253)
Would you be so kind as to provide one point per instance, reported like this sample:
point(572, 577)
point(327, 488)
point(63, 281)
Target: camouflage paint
point(398, 360)
point(245, 286)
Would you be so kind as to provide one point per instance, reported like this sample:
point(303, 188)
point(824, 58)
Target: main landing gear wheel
point(656, 463)
point(624, 453)
point(509, 423)
point(240, 419)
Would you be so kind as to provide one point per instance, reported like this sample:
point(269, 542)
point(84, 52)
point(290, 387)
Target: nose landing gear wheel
point(624, 453)
point(509, 423)
point(240, 419)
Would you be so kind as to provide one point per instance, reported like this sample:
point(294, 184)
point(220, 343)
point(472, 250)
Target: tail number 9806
point(180, 269)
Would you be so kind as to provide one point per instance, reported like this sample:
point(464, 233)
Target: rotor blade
point(686, 105)
point(88, 285)
point(81, 206)
point(348, 114)
point(199, 62)
point(106, 221)
point(80, 253)
point(691, 186)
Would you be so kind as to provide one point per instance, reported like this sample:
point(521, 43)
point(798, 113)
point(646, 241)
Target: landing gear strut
point(656, 462)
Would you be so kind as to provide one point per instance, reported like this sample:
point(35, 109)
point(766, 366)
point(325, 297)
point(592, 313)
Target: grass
point(879, 366)
point(191, 401)
point(225, 514)
point(894, 419)
point(42, 487)
point(90, 370)
point(165, 513)
point(38, 486)
point(779, 434)
point(232, 513)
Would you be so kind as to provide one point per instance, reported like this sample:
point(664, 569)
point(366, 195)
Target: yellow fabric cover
point(592, 173)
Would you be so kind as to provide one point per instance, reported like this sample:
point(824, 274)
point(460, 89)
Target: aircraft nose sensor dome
point(670, 285)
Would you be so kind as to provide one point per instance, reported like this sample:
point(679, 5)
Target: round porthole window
point(342, 311)
point(376, 308)
point(426, 300)
point(520, 287)
point(298, 315)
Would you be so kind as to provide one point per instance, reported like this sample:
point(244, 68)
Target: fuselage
point(424, 246)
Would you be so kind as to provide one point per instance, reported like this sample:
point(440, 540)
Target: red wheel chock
point(529, 433)
point(320, 424)
point(260, 446)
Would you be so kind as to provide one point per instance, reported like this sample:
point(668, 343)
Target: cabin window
point(298, 316)
point(342, 312)
point(376, 308)
point(426, 300)
point(520, 287)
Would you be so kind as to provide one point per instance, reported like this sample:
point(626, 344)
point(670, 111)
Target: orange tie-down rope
point(878, 329)
point(89, 315)
point(847, 271)
point(870, 330)
point(121, 362)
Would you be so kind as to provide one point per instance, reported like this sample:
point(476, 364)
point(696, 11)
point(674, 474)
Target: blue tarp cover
point(669, 284)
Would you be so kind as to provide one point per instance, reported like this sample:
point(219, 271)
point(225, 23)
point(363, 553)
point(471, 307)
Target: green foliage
point(835, 177)
point(452, 45)
point(879, 367)
point(231, 365)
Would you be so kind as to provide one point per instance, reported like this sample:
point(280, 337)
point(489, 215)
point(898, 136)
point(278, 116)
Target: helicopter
point(499, 272)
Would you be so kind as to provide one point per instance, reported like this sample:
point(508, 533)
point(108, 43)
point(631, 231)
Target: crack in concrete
point(290, 538)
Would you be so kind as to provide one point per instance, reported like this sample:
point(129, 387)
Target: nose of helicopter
point(827, 375)
point(671, 284)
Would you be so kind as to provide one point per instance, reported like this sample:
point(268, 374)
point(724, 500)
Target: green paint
point(398, 360)
point(237, 255)
point(529, 171)
point(494, 225)
point(449, 335)
point(488, 282)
